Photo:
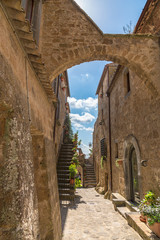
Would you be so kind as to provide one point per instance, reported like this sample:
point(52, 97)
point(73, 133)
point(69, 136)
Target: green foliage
point(72, 171)
point(150, 207)
point(102, 162)
point(78, 183)
point(75, 159)
point(68, 133)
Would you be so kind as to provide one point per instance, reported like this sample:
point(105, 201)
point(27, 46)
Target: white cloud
point(79, 126)
point(85, 149)
point(86, 118)
point(87, 104)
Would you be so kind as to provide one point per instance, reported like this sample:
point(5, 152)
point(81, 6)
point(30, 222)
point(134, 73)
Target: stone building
point(39, 40)
point(129, 122)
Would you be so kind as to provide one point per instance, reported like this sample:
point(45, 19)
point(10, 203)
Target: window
point(33, 14)
point(103, 147)
point(126, 81)
point(116, 150)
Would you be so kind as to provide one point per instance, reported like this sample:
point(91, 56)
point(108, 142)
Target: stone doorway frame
point(130, 143)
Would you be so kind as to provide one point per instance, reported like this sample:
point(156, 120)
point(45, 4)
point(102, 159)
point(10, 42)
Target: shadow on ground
point(65, 205)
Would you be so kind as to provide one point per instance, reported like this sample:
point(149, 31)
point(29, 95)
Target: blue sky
point(110, 16)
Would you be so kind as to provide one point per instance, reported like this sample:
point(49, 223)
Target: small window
point(103, 146)
point(128, 82)
point(127, 86)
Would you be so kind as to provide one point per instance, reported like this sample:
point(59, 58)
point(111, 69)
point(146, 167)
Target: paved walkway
point(92, 217)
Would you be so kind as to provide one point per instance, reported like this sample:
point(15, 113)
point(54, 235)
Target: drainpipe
point(109, 123)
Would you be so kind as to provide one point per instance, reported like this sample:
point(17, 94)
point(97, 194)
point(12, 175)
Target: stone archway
point(69, 37)
point(131, 144)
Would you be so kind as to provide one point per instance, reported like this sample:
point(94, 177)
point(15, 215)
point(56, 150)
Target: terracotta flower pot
point(155, 228)
point(143, 218)
point(72, 181)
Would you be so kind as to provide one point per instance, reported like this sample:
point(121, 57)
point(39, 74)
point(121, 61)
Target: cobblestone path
point(92, 217)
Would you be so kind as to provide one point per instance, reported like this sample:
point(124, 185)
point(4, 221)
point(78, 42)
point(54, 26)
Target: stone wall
point(28, 184)
point(135, 114)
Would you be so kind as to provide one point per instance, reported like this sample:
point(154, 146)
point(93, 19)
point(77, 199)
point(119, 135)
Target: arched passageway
point(70, 37)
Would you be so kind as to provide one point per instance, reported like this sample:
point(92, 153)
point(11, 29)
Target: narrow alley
point(93, 217)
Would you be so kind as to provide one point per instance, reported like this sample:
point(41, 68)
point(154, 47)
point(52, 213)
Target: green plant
point(102, 158)
point(75, 159)
point(68, 133)
point(78, 183)
point(72, 171)
point(149, 199)
point(150, 207)
point(116, 162)
point(152, 212)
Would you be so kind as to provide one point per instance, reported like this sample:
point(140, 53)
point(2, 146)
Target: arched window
point(126, 77)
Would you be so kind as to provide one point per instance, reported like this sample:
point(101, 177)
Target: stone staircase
point(90, 178)
point(66, 192)
point(22, 28)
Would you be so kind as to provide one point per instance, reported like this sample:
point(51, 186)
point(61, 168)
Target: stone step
point(64, 176)
point(90, 175)
point(13, 4)
point(21, 25)
point(25, 35)
point(17, 14)
point(63, 168)
point(63, 180)
point(64, 163)
point(67, 159)
point(64, 185)
point(90, 180)
point(64, 155)
point(123, 211)
point(87, 182)
point(61, 171)
point(66, 197)
point(140, 227)
point(66, 191)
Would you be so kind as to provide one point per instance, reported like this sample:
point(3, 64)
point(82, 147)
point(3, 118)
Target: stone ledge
point(140, 227)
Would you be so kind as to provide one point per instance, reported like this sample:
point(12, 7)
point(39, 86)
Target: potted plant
point(119, 162)
point(149, 200)
point(72, 173)
point(78, 183)
point(75, 139)
point(152, 212)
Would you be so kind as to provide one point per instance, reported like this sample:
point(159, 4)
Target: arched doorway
point(132, 171)
point(133, 174)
